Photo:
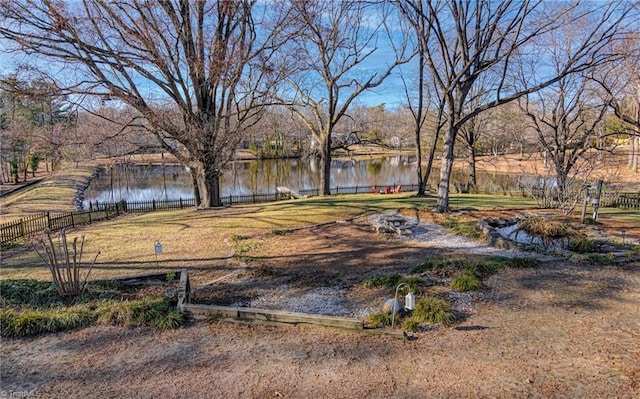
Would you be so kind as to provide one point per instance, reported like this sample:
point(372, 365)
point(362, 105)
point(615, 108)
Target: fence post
point(73, 222)
point(90, 213)
point(22, 228)
point(153, 202)
point(180, 202)
point(48, 220)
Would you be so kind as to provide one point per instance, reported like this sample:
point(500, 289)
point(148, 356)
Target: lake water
point(171, 182)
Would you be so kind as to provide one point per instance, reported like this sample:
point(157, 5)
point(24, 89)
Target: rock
point(388, 305)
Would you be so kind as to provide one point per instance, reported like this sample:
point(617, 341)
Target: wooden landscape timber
point(203, 312)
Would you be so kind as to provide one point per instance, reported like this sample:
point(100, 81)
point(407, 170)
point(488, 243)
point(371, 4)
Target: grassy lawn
point(55, 193)
point(206, 238)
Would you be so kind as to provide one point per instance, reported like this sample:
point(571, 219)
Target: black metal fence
point(39, 223)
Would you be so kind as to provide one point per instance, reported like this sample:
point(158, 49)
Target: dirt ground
point(558, 330)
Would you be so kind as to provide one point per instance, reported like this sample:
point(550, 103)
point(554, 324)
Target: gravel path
point(337, 301)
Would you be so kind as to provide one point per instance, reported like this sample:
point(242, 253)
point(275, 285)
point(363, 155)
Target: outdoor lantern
point(410, 301)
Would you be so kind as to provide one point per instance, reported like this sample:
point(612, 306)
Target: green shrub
point(411, 324)
point(114, 313)
point(466, 282)
point(383, 281)
point(74, 318)
point(481, 268)
point(415, 284)
point(581, 244)
point(592, 258)
point(28, 292)
point(433, 310)
point(379, 319)
point(170, 320)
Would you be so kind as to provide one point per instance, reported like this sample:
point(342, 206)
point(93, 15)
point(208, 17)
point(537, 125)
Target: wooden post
point(584, 206)
point(48, 220)
point(596, 201)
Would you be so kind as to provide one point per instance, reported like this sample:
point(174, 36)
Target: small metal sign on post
point(158, 248)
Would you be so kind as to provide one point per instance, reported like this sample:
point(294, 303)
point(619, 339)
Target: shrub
point(383, 281)
point(153, 310)
point(592, 258)
point(547, 230)
point(441, 266)
point(479, 267)
point(113, 312)
point(433, 310)
point(379, 319)
point(19, 324)
point(28, 292)
point(581, 244)
point(64, 264)
point(170, 320)
point(14, 324)
point(466, 282)
point(411, 324)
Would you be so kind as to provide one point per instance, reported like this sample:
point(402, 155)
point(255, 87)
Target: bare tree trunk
point(196, 188)
point(432, 155)
point(472, 168)
point(442, 204)
point(325, 160)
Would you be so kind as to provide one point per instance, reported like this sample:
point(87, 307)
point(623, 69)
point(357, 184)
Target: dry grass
point(199, 239)
point(55, 193)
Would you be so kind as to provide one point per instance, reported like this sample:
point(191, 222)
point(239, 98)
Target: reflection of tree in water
point(253, 176)
point(147, 182)
point(374, 167)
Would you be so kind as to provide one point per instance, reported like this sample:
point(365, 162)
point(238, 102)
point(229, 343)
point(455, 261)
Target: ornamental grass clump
point(547, 230)
point(433, 310)
point(379, 319)
point(466, 282)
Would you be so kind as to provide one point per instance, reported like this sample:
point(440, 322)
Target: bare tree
point(468, 40)
point(621, 86)
point(207, 59)
point(470, 134)
point(569, 123)
point(325, 61)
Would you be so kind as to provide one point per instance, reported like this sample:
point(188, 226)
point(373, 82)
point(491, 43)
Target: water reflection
point(146, 182)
